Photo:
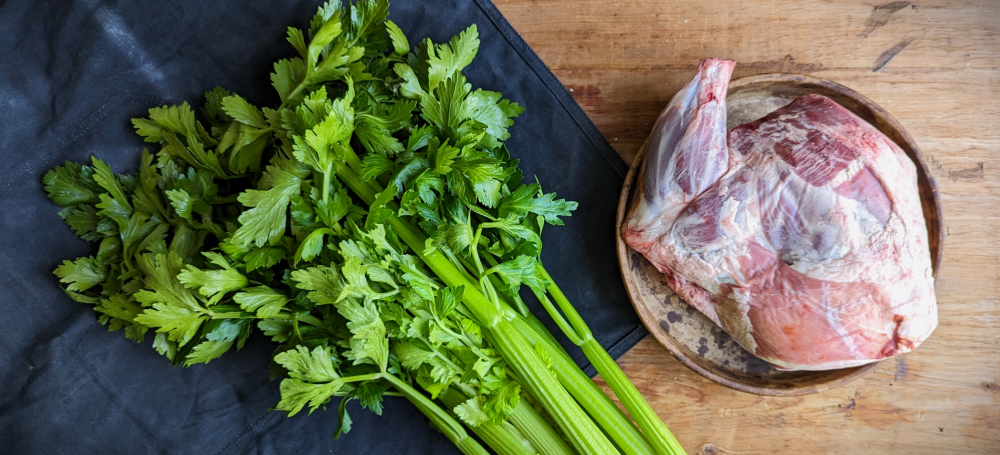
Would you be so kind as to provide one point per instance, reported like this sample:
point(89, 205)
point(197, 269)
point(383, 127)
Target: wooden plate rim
point(645, 315)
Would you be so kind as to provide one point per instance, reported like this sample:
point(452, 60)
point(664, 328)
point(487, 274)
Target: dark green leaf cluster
point(156, 229)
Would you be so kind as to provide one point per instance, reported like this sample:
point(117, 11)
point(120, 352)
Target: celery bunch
point(374, 226)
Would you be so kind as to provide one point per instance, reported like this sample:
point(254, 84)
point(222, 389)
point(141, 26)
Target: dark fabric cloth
point(72, 74)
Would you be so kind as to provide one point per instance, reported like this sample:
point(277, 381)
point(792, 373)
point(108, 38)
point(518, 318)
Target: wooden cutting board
point(935, 66)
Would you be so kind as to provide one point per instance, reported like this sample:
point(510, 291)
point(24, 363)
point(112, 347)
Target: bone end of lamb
point(687, 151)
point(802, 235)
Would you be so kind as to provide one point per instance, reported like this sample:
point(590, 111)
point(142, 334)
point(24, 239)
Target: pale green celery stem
point(314, 321)
point(327, 177)
point(590, 396)
point(652, 427)
point(587, 393)
point(475, 250)
point(468, 269)
point(538, 431)
point(495, 436)
point(656, 433)
point(308, 319)
point(462, 266)
point(470, 446)
point(518, 303)
point(518, 353)
point(295, 330)
point(295, 92)
point(361, 377)
point(560, 321)
point(451, 428)
point(354, 162)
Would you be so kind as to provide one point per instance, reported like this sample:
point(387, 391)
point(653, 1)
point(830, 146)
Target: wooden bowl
point(694, 339)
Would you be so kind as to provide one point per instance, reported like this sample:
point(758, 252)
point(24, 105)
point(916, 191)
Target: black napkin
point(72, 74)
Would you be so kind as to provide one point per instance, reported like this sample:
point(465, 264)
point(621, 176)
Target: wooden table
point(934, 66)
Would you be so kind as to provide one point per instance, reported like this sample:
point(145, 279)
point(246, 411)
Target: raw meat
point(803, 237)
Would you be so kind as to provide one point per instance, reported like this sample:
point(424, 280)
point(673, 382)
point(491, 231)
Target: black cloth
point(72, 74)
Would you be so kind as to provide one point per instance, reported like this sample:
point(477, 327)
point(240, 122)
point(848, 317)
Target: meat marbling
point(802, 236)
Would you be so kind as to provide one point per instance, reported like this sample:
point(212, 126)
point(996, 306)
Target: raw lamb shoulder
point(802, 236)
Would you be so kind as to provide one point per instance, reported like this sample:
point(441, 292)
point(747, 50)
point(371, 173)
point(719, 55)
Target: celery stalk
point(498, 438)
point(450, 427)
point(652, 427)
point(541, 435)
point(519, 354)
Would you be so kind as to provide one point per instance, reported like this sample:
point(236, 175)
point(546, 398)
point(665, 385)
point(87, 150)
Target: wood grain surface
point(935, 66)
